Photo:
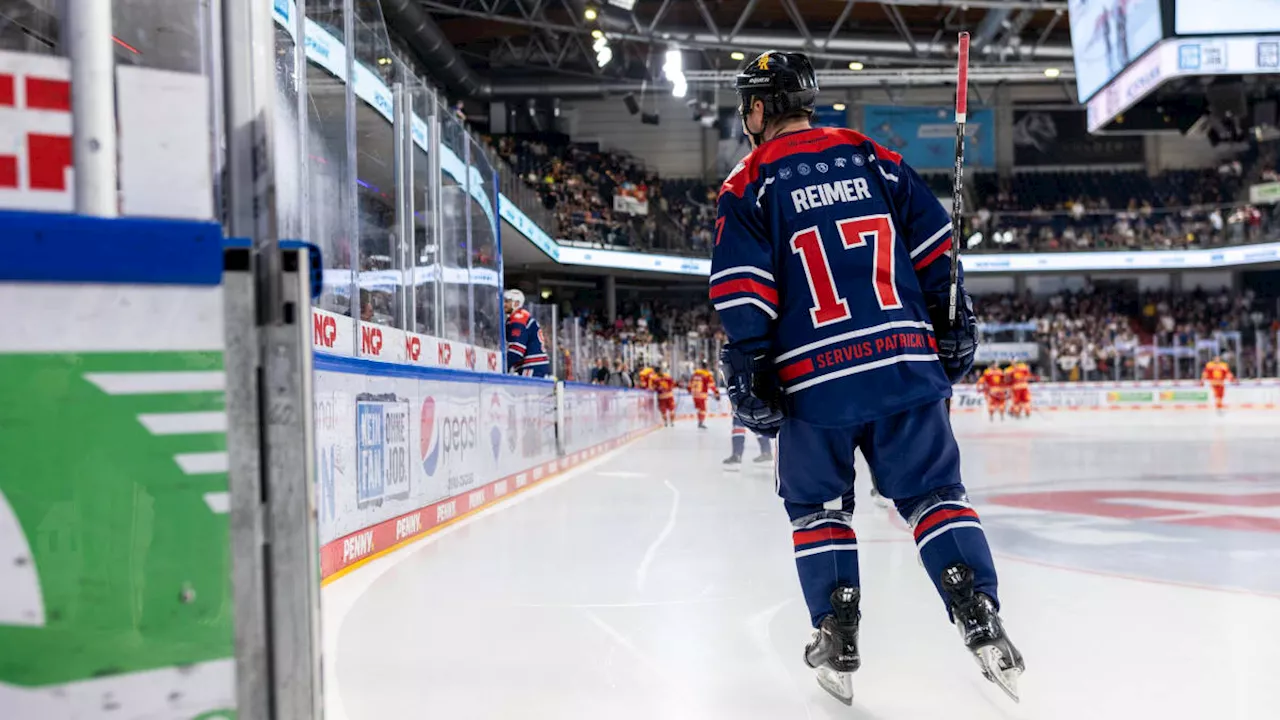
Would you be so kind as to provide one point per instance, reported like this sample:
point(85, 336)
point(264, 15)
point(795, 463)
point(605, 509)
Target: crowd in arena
point(1053, 211)
point(578, 184)
point(1031, 211)
point(1096, 333)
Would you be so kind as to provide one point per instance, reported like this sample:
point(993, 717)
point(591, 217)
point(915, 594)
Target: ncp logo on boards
point(442, 436)
point(324, 330)
point(370, 340)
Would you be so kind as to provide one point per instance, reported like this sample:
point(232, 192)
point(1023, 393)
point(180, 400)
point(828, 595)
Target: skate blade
point(838, 684)
point(991, 659)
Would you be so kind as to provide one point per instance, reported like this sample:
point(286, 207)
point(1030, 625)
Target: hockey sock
point(739, 441)
point(947, 531)
point(702, 416)
point(826, 551)
point(766, 448)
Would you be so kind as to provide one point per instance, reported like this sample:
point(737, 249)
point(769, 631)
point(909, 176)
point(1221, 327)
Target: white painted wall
point(674, 148)
point(1168, 151)
point(1053, 284)
point(1146, 281)
point(1206, 280)
point(988, 284)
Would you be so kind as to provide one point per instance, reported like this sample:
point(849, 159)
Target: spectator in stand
point(621, 375)
point(600, 375)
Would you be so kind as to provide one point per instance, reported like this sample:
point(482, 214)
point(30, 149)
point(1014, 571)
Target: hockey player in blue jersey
point(525, 355)
point(831, 276)
point(739, 446)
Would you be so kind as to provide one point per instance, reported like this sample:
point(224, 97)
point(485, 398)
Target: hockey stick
point(957, 188)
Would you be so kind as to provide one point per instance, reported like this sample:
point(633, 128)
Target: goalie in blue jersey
point(831, 276)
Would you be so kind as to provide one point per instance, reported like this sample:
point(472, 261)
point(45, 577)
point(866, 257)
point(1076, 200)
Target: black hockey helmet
point(784, 81)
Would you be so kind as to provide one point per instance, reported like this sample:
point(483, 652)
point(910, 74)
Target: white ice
point(651, 584)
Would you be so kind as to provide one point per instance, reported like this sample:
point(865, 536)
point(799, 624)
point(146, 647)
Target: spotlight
point(838, 107)
point(590, 13)
point(855, 65)
point(673, 69)
point(1052, 72)
point(738, 56)
point(597, 33)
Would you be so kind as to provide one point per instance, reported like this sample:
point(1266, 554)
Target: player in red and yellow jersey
point(1217, 373)
point(1019, 377)
point(665, 386)
point(644, 376)
point(702, 382)
point(992, 384)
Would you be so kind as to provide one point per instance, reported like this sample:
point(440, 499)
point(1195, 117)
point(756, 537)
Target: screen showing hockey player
point(1107, 35)
point(1207, 17)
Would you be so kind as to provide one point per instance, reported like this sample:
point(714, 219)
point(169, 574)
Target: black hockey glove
point(752, 386)
point(958, 343)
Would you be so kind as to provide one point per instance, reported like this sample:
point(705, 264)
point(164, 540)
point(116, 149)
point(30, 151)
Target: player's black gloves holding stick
point(958, 343)
point(752, 385)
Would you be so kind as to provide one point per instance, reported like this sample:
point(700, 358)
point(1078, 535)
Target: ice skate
point(763, 458)
point(732, 462)
point(983, 633)
point(833, 652)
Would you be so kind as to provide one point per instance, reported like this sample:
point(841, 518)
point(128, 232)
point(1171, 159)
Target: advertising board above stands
point(1183, 57)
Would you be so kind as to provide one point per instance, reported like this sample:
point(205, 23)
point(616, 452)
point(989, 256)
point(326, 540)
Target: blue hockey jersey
point(525, 355)
point(829, 250)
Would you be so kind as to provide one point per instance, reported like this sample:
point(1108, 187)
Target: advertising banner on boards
point(389, 445)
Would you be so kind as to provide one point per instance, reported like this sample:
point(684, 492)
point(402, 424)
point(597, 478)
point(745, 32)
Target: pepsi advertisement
point(926, 136)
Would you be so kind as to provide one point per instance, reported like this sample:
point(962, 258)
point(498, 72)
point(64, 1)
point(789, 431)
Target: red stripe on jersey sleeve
point(942, 249)
point(729, 287)
point(787, 373)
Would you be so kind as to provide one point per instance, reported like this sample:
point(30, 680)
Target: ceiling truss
point(552, 36)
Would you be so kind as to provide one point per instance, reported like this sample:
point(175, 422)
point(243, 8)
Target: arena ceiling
point(546, 46)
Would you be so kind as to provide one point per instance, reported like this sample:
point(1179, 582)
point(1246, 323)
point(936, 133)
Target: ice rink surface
point(1139, 555)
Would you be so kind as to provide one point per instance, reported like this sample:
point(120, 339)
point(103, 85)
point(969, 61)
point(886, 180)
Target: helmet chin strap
point(757, 139)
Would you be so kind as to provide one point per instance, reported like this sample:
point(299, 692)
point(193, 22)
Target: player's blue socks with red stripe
point(739, 441)
point(826, 550)
point(947, 531)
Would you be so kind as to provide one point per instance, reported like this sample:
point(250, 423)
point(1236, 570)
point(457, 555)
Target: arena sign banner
point(1061, 137)
point(926, 136)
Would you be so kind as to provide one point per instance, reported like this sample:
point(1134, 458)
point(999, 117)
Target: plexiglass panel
point(328, 168)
